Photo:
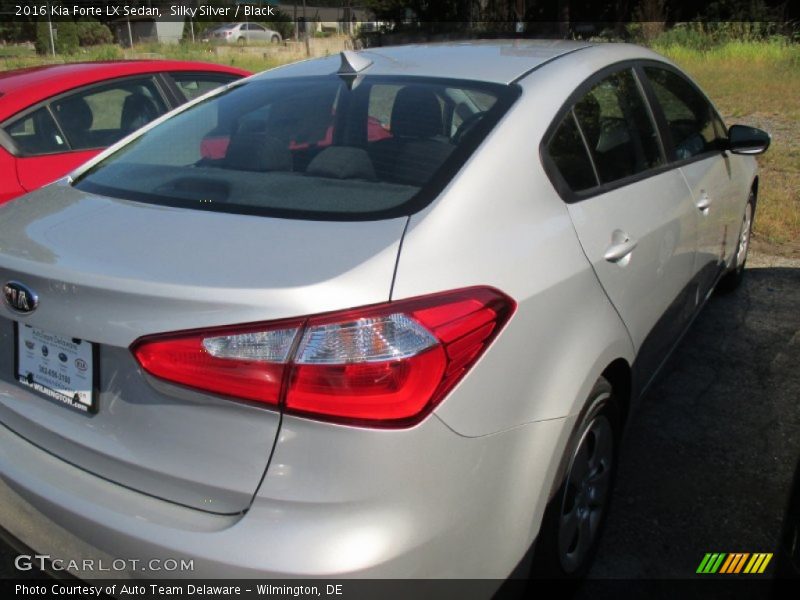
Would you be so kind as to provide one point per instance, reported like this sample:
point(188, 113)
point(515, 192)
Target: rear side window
point(617, 128)
point(313, 147)
point(37, 133)
point(571, 157)
point(100, 116)
point(193, 85)
point(692, 122)
point(606, 136)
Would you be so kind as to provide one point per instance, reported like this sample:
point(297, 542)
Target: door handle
point(704, 202)
point(621, 246)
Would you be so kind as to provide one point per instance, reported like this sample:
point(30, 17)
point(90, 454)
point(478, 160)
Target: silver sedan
point(241, 33)
point(375, 315)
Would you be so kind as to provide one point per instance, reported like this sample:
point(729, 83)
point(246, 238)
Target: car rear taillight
point(383, 365)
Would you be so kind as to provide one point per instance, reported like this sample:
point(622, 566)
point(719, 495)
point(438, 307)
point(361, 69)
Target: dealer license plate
point(57, 366)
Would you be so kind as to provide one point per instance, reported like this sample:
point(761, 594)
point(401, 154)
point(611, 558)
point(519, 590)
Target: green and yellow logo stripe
point(734, 563)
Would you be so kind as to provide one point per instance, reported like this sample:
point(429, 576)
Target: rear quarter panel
point(501, 223)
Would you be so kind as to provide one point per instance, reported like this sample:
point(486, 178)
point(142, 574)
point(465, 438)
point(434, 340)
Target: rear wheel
point(734, 277)
point(275, 39)
point(241, 41)
point(574, 518)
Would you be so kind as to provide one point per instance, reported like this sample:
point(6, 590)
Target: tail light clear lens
point(385, 365)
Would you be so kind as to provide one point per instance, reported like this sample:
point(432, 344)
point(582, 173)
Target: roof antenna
point(351, 68)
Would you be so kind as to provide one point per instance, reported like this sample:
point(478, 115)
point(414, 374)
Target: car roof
point(22, 88)
point(496, 61)
point(500, 61)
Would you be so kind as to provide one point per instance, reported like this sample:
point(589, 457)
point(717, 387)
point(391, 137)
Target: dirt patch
point(761, 249)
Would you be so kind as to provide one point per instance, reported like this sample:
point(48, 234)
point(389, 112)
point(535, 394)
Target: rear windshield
point(317, 147)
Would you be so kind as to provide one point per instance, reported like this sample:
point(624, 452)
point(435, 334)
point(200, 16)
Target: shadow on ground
point(711, 450)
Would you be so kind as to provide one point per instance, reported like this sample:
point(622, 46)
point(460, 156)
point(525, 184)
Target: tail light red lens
point(384, 365)
point(247, 362)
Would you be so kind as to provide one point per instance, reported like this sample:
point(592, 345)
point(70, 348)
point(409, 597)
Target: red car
point(56, 117)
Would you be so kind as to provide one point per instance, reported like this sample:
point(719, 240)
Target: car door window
point(193, 85)
point(37, 133)
point(102, 115)
point(692, 121)
point(617, 128)
point(570, 156)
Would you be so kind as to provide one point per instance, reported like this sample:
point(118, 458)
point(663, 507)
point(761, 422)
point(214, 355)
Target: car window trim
point(586, 148)
point(47, 102)
point(170, 90)
point(666, 134)
point(7, 142)
point(16, 149)
point(564, 190)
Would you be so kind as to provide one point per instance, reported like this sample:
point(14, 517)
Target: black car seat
point(137, 111)
point(257, 151)
point(76, 118)
point(418, 145)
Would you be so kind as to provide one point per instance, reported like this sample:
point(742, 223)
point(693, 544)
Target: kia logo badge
point(20, 297)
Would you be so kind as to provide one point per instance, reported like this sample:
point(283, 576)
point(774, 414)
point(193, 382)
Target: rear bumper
point(477, 523)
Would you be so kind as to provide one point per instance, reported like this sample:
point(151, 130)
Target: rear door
point(257, 32)
point(43, 153)
point(696, 140)
point(633, 215)
point(56, 137)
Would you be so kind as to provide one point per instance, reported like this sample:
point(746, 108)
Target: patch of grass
point(243, 59)
point(758, 83)
point(16, 51)
point(17, 57)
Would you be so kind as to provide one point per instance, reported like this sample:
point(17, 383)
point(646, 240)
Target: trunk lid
point(109, 271)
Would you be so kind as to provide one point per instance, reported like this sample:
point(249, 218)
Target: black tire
point(733, 278)
point(275, 39)
point(241, 41)
point(560, 552)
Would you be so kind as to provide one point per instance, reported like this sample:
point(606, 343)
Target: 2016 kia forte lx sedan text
point(377, 315)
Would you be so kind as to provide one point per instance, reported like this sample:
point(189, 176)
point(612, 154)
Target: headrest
point(342, 162)
point(137, 111)
point(416, 113)
point(74, 114)
point(257, 152)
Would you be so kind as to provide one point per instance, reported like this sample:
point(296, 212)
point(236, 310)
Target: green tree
point(65, 34)
point(92, 33)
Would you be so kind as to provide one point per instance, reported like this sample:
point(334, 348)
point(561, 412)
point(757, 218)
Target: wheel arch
point(620, 375)
point(754, 187)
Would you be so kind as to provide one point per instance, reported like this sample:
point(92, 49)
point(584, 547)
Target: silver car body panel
point(312, 517)
point(110, 271)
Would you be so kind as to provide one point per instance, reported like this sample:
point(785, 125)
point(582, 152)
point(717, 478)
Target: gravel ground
point(710, 451)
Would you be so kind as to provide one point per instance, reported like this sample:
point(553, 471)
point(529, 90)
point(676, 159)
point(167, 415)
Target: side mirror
point(747, 140)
